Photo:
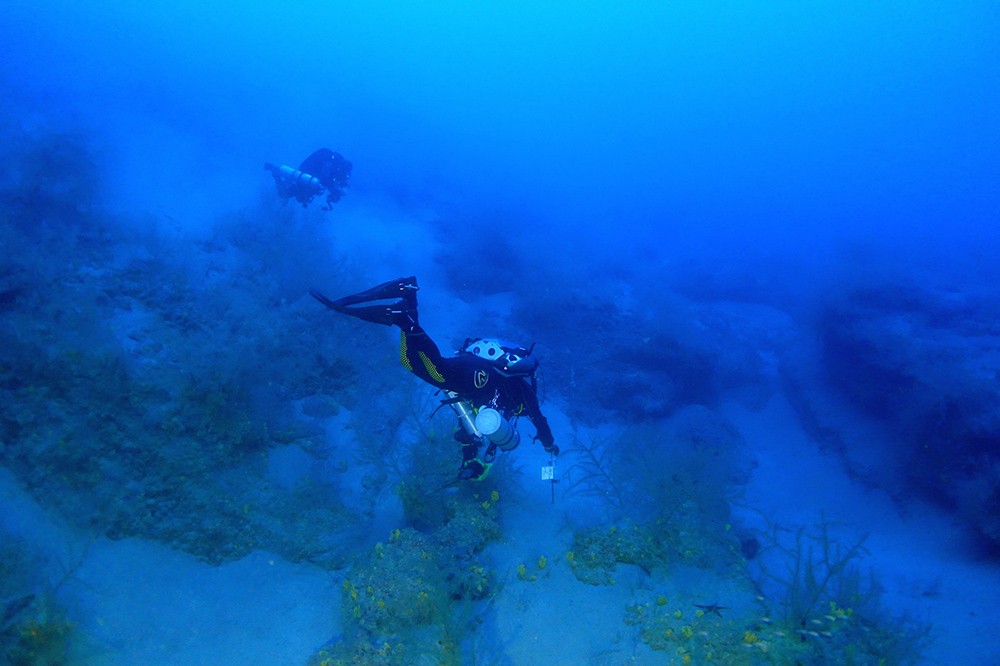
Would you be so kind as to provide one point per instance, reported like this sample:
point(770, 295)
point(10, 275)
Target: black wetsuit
point(329, 168)
point(332, 169)
point(471, 378)
point(474, 379)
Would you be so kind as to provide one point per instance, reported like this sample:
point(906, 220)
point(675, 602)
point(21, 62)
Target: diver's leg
point(419, 354)
point(279, 182)
point(470, 445)
point(415, 341)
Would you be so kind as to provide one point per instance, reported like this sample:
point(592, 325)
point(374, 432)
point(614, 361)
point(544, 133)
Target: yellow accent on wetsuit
point(405, 360)
point(402, 352)
point(431, 370)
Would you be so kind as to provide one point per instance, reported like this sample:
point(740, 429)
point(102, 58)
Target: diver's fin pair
point(396, 313)
point(475, 472)
point(403, 312)
point(323, 299)
point(404, 288)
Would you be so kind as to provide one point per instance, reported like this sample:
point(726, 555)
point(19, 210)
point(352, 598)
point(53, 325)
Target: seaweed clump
point(815, 606)
point(403, 599)
point(143, 378)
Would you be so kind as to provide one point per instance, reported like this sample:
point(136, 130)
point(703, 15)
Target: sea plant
point(827, 599)
point(811, 568)
point(668, 499)
point(40, 637)
point(650, 474)
point(35, 629)
point(409, 597)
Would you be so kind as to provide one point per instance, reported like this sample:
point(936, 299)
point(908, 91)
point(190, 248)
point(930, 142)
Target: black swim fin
point(405, 288)
point(322, 299)
point(399, 313)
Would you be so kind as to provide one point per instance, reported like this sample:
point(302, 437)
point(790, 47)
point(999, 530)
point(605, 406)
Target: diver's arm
point(540, 422)
point(545, 434)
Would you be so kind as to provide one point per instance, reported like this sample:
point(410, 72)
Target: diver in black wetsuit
point(324, 169)
point(495, 379)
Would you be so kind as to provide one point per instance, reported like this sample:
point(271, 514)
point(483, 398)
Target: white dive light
point(494, 427)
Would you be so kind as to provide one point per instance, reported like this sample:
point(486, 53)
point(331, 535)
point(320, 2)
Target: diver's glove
point(551, 448)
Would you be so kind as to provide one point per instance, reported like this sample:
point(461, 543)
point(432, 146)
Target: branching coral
point(817, 569)
point(674, 492)
point(828, 602)
point(592, 473)
point(649, 474)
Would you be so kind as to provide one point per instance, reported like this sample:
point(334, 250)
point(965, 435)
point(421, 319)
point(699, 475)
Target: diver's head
point(509, 358)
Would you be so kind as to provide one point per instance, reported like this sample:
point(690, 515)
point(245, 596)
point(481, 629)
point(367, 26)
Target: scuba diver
point(324, 169)
point(489, 383)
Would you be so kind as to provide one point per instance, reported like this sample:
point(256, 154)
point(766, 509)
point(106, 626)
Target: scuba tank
point(466, 416)
point(294, 183)
point(294, 177)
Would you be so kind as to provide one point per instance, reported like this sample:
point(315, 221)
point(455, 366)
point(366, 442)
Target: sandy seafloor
point(142, 603)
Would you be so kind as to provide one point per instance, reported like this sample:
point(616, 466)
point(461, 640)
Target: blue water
point(754, 244)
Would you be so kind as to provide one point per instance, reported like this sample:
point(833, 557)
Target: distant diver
point(489, 383)
point(323, 170)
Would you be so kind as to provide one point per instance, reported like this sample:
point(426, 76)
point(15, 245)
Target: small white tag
point(548, 473)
